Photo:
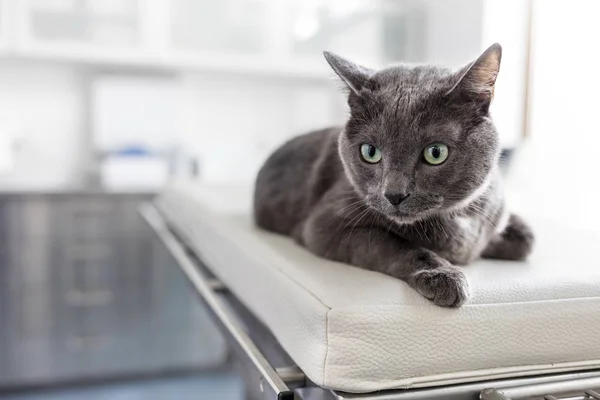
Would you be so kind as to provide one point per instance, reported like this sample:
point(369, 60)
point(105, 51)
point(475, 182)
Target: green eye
point(370, 153)
point(436, 153)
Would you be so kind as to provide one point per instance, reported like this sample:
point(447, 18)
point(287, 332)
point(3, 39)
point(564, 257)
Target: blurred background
point(103, 101)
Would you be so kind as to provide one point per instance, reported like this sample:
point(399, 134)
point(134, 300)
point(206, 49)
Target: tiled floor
point(210, 387)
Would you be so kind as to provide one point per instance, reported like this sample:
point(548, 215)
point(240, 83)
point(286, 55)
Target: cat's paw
point(520, 236)
point(446, 286)
point(515, 242)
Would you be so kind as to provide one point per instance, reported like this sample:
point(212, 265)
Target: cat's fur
point(318, 189)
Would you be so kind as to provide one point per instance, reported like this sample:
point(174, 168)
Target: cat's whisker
point(365, 213)
point(354, 202)
point(352, 215)
point(374, 221)
point(431, 225)
point(389, 227)
point(346, 196)
point(346, 199)
point(483, 212)
point(488, 219)
point(355, 218)
point(486, 214)
point(349, 209)
point(425, 233)
point(417, 231)
point(340, 242)
point(345, 209)
point(441, 226)
point(349, 199)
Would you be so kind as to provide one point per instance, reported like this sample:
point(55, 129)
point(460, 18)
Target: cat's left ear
point(478, 79)
point(355, 76)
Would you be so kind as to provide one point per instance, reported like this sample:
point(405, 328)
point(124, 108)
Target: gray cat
point(410, 187)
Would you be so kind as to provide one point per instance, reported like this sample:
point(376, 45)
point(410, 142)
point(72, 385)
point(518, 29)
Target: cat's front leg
point(439, 281)
point(515, 242)
point(373, 248)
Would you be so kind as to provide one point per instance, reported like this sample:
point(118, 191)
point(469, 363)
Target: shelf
point(163, 35)
point(175, 62)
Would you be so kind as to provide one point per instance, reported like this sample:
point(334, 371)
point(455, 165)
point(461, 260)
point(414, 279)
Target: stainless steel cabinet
point(87, 291)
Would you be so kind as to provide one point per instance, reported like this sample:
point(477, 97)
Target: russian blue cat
point(409, 187)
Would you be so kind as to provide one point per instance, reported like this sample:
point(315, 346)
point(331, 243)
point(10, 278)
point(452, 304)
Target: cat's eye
point(436, 153)
point(370, 153)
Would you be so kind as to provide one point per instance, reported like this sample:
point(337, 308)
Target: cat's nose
point(396, 198)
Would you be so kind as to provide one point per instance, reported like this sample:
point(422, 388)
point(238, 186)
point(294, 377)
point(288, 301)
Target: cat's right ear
point(354, 76)
point(477, 80)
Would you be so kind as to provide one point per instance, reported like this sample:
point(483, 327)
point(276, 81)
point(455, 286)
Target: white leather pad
point(360, 331)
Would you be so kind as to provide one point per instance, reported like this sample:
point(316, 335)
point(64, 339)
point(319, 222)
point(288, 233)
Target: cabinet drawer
point(27, 260)
point(33, 361)
point(31, 216)
point(41, 361)
point(89, 217)
point(84, 219)
point(90, 267)
point(31, 313)
point(95, 321)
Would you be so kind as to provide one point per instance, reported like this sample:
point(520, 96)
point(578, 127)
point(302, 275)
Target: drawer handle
point(90, 208)
point(86, 342)
point(91, 252)
point(96, 298)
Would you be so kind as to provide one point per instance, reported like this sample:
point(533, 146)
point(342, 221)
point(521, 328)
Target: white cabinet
point(275, 36)
point(94, 23)
point(4, 24)
point(219, 27)
point(240, 36)
point(267, 37)
point(246, 36)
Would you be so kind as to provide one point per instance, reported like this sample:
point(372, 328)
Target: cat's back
point(291, 177)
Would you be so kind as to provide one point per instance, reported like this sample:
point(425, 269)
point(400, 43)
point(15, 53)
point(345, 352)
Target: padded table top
point(359, 331)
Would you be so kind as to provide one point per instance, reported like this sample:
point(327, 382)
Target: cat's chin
point(407, 218)
point(401, 216)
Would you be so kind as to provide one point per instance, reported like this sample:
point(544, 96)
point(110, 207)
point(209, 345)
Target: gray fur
point(318, 189)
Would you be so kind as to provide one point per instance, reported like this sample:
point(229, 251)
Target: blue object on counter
point(133, 151)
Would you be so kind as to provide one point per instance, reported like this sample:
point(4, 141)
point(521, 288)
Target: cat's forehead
point(413, 78)
point(408, 102)
point(408, 94)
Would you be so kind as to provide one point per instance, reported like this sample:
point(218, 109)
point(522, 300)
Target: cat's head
point(419, 140)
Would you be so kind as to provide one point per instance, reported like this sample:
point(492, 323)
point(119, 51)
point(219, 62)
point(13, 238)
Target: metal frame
point(262, 379)
point(271, 374)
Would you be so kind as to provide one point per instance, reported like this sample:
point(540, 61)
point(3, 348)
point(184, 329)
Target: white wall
point(43, 105)
point(557, 174)
point(507, 22)
point(233, 123)
point(454, 31)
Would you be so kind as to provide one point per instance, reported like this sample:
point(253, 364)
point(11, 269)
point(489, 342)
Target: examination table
point(307, 328)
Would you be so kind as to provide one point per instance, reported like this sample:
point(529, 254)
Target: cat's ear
point(477, 80)
point(354, 76)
